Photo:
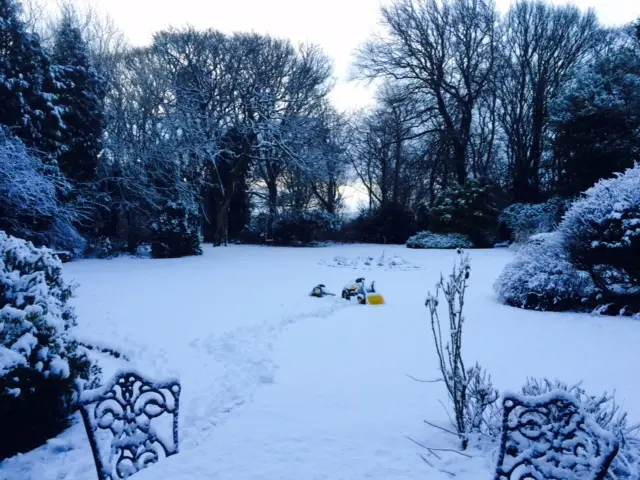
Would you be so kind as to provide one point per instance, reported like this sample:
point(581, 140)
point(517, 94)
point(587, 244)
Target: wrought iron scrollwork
point(132, 424)
point(551, 437)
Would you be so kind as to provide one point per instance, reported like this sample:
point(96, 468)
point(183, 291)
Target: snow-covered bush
point(542, 277)
point(176, 233)
point(439, 240)
point(105, 247)
point(525, 219)
point(602, 235)
point(607, 414)
point(39, 361)
point(593, 260)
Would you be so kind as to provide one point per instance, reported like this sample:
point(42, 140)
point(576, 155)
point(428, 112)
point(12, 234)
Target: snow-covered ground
point(280, 385)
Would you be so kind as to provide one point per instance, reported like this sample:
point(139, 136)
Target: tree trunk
point(221, 236)
point(396, 176)
point(272, 200)
point(537, 130)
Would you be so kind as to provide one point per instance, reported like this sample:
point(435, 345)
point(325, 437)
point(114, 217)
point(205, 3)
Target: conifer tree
point(27, 86)
point(81, 95)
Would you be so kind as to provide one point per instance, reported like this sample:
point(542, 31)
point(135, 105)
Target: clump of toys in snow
point(363, 294)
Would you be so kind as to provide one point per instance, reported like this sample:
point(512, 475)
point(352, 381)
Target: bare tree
point(444, 51)
point(541, 45)
point(290, 89)
point(389, 153)
point(330, 170)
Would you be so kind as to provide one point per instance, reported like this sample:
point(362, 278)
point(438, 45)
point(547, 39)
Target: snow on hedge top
point(439, 240)
point(610, 199)
point(34, 316)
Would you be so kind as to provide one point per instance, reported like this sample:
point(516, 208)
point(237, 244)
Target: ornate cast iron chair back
point(550, 437)
point(131, 424)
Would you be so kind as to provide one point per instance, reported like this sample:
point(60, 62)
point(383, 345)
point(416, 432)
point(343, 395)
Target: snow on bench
point(127, 423)
point(550, 436)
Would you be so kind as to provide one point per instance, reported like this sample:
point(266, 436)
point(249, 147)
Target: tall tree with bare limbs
point(445, 52)
point(541, 45)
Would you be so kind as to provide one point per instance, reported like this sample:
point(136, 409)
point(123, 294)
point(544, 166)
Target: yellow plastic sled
point(375, 299)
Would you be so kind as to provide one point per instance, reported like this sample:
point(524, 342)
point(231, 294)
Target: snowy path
point(278, 385)
point(339, 408)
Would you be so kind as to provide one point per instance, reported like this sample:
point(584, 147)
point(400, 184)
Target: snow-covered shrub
point(39, 361)
point(176, 233)
point(29, 198)
point(526, 219)
point(482, 413)
point(439, 240)
point(105, 247)
point(602, 235)
point(608, 415)
point(469, 210)
point(542, 277)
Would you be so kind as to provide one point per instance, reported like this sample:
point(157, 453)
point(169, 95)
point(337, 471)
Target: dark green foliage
point(597, 123)
point(41, 412)
point(294, 228)
point(392, 224)
point(27, 86)
point(305, 228)
point(470, 210)
point(81, 95)
point(177, 231)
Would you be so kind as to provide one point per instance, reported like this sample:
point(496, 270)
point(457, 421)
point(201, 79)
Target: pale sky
point(338, 26)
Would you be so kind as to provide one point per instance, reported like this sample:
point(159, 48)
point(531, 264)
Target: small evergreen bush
point(439, 240)
point(177, 231)
point(469, 210)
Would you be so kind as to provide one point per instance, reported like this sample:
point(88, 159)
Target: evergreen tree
point(27, 85)
point(597, 122)
point(81, 94)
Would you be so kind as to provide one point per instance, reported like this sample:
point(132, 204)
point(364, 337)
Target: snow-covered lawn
point(280, 385)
